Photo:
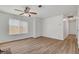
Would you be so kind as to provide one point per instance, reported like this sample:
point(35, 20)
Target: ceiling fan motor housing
point(27, 9)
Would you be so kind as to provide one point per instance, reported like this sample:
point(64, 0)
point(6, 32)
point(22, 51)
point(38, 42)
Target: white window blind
point(17, 26)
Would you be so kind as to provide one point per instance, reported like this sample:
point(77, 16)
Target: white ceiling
point(43, 12)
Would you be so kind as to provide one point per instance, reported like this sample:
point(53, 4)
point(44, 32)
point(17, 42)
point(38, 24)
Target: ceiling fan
point(26, 11)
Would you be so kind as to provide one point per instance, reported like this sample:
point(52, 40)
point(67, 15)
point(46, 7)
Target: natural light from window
point(17, 27)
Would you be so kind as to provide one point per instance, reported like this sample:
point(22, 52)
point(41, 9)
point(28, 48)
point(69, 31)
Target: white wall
point(4, 27)
point(53, 27)
point(37, 27)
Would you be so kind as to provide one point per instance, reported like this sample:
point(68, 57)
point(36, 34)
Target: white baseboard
point(8, 40)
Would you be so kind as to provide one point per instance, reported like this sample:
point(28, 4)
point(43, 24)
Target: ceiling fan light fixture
point(25, 14)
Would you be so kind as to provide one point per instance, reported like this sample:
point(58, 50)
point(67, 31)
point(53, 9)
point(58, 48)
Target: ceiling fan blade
point(18, 10)
point(21, 14)
point(33, 12)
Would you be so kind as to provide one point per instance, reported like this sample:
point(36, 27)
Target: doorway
point(69, 26)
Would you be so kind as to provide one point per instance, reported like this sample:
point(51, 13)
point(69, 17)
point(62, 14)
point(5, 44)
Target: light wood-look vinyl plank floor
point(43, 45)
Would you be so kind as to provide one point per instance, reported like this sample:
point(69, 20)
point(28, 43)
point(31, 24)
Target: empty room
point(39, 29)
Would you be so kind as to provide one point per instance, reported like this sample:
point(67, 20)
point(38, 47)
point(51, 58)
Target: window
point(17, 26)
point(24, 27)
